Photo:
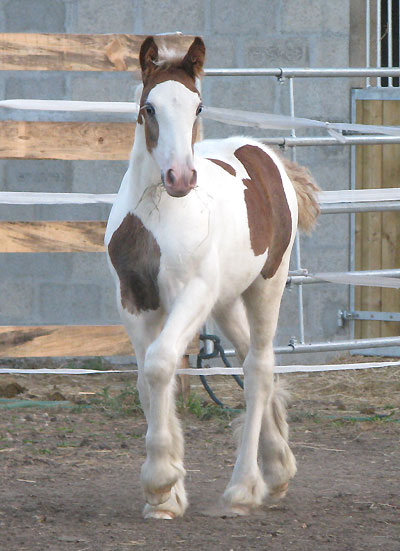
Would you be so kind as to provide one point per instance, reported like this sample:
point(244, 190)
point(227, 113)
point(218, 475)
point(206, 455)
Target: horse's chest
point(135, 255)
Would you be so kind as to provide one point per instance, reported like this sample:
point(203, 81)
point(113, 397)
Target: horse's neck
point(144, 171)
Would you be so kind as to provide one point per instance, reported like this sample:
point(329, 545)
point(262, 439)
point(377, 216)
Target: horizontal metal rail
point(290, 72)
point(337, 208)
point(297, 348)
point(327, 140)
point(301, 279)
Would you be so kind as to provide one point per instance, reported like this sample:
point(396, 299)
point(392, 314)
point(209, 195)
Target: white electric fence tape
point(358, 279)
point(37, 198)
point(228, 116)
point(207, 370)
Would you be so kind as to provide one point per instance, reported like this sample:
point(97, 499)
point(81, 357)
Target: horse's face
point(169, 108)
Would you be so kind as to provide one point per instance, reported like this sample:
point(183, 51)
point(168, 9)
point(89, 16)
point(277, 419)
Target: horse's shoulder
point(135, 255)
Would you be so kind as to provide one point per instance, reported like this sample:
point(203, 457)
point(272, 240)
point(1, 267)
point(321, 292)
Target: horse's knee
point(258, 371)
point(159, 364)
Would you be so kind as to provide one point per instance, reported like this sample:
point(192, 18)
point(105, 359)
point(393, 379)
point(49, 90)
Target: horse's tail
point(306, 191)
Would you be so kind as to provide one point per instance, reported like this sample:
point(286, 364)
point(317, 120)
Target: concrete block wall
point(76, 288)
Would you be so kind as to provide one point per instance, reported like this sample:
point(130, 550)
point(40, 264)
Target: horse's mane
point(168, 58)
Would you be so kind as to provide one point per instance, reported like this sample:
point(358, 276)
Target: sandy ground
point(70, 473)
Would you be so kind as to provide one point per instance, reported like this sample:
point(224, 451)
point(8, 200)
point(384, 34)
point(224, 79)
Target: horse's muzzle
point(179, 183)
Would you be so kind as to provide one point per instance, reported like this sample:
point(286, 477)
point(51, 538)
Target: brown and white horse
point(202, 229)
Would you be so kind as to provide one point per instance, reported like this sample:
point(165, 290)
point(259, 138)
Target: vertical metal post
point(297, 249)
point(390, 38)
point(378, 39)
point(367, 39)
point(353, 153)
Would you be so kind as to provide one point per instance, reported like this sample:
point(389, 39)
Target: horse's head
point(169, 108)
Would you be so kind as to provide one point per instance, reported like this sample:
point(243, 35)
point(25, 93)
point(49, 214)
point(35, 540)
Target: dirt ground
point(70, 467)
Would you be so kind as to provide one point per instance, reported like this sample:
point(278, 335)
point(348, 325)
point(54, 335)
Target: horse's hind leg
point(232, 321)
point(265, 428)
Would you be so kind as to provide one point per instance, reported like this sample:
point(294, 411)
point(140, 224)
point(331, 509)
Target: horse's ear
point(193, 61)
point(148, 55)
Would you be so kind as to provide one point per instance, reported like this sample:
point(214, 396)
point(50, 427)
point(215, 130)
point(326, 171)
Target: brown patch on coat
point(306, 191)
point(151, 131)
point(270, 220)
point(224, 165)
point(195, 133)
point(135, 255)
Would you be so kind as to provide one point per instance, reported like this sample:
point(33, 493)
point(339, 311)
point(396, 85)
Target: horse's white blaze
point(175, 111)
point(202, 254)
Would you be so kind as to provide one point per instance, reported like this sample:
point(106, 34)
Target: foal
point(197, 230)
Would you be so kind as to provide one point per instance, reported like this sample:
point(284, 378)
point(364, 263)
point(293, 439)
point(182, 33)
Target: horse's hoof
point(238, 511)
point(158, 514)
point(279, 492)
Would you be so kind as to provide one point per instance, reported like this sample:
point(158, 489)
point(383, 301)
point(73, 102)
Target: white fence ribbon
point(37, 198)
point(228, 116)
point(207, 370)
point(72, 106)
point(358, 279)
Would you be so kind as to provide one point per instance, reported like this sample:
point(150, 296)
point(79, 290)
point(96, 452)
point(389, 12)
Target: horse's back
point(264, 188)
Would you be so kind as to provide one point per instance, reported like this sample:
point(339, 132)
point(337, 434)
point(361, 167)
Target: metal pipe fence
point(292, 141)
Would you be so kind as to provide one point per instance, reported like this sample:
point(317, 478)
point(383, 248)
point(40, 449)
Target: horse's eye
point(149, 109)
point(199, 109)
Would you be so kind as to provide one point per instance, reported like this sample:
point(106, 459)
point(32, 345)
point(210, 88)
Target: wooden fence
point(66, 141)
point(377, 233)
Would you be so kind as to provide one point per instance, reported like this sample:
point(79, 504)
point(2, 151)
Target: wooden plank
point(77, 52)
point(371, 247)
point(51, 237)
point(390, 220)
point(66, 140)
point(358, 220)
point(73, 340)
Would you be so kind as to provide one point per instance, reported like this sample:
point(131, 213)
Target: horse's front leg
point(163, 469)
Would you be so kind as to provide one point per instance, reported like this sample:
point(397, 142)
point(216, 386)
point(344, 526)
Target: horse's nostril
point(171, 176)
point(193, 179)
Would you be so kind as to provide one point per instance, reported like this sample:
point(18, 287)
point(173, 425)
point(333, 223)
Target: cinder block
point(321, 308)
point(329, 50)
point(252, 94)
point(331, 176)
point(38, 175)
point(17, 301)
point(246, 93)
point(220, 50)
point(102, 16)
point(38, 16)
point(186, 16)
point(30, 86)
point(103, 87)
point(71, 212)
point(17, 212)
point(273, 51)
point(70, 303)
point(3, 27)
point(324, 99)
point(236, 16)
point(39, 266)
point(98, 176)
point(3, 79)
point(90, 268)
point(315, 16)
point(110, 312)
